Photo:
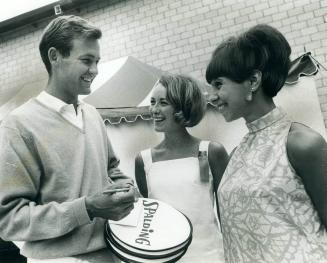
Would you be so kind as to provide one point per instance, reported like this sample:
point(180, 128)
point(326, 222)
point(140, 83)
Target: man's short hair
point(60, 34)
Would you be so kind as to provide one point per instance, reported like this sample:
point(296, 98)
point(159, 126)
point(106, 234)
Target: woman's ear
point(254, 82)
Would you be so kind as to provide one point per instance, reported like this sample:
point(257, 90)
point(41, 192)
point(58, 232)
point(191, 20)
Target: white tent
point(122, 83)
point(129, 125)
point(29, 90)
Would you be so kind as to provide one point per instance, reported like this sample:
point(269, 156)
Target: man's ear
point(53, 55)
point(255, 80)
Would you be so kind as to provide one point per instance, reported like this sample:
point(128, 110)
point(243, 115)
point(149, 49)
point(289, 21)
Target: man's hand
point(124, 181)
point(113, 206)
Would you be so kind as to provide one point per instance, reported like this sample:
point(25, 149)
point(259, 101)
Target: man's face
point(75, 73)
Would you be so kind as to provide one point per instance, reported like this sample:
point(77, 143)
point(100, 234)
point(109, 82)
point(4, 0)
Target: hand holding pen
point(114, 203)
point(122, 190)
point(117, 190)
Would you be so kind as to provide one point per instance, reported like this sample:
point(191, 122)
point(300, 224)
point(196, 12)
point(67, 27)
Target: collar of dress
point(267, 120)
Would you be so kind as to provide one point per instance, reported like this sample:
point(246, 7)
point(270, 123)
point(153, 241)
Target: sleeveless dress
point(177, 182)
point(266, 214)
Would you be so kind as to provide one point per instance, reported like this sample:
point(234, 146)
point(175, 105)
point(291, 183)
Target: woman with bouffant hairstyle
point(183, 170)
point(272, 196)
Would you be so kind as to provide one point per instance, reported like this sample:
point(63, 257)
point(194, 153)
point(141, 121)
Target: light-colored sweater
point(47, 168)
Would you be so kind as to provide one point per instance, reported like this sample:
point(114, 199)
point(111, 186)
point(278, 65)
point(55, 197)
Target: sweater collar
point(266, 120)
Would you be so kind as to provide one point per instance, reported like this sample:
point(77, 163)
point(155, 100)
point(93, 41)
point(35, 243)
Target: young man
point(56, 158)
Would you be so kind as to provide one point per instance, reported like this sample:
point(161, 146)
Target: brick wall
point(174, 35)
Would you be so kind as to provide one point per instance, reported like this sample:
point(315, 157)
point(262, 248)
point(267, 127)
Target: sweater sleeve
point(21, 216)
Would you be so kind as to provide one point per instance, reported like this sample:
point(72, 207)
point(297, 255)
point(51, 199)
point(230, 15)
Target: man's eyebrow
point(90, 55)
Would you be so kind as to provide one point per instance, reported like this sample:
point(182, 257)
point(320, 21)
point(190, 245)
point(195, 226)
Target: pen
point(111, 191)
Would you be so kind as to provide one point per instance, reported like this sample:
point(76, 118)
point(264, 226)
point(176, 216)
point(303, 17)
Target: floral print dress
point(266, 214)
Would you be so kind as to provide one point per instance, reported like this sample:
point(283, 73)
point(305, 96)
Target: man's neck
point(67, 98)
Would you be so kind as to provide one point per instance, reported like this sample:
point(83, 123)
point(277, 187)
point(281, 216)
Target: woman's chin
point(158, 130)
point(228, 117)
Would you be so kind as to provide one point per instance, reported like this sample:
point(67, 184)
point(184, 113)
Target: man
point(56, 159)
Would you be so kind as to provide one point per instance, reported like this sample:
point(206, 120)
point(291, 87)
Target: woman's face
point(229, 97)
point(162, 111)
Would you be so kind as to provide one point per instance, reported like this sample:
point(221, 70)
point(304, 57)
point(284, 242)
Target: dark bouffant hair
point(60, 34)
point(185, 95)
point(261, 48)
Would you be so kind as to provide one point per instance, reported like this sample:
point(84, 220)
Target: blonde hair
point(185, 95)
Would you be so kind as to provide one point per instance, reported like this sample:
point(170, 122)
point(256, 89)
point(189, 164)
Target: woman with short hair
point(183, 170)
point(272, 197)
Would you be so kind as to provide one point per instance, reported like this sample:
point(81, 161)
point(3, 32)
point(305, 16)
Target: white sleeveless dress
point(177, 182)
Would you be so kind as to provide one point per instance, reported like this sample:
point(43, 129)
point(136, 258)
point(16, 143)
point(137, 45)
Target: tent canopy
point(124, 96)
point(28, 91)
point(122, 83)
point(304, 65)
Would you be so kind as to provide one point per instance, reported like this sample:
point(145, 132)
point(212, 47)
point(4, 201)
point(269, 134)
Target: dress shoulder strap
point(147, 158)
point(204, 146)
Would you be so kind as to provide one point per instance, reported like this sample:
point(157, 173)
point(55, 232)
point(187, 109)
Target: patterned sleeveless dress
point(177, 182)
point(266, 214)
